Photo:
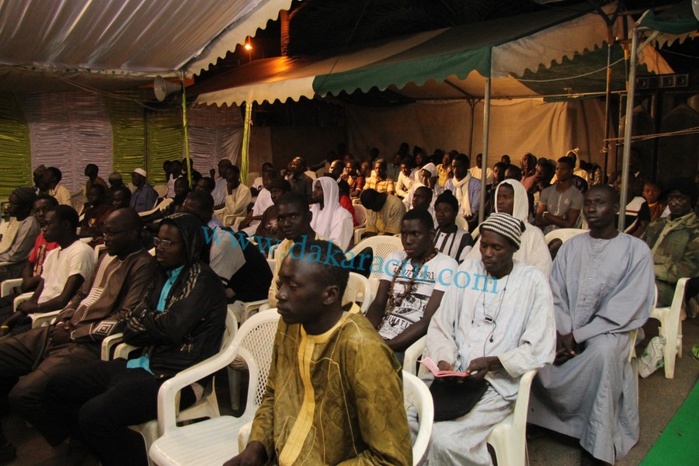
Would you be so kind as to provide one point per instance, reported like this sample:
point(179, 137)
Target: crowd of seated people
point(494, 307)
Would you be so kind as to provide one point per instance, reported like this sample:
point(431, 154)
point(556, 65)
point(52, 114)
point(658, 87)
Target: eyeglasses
point(165, 243)
point(107, 233)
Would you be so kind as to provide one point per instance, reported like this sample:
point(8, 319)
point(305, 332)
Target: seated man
point(237, 194)
point(220, 191)
point(294, 220)
point(268, 227)
point(31, 274)
point(410, 290)
point(144, 197)
point(121, 197)
point(20, 234)
point(560, 204)
point(334, 391)
point(95, 212)
point(493, 329)
point(453, 240)
point(379, 181)
point(243, 270)
point(65, 268)
point(383, 213)
point(95, 312)
point(602, 285)
point(466, 189)
point(298, 179)
point(51, 183)
point(262, 203)
point(179, 323)
point(674, 240)
point(329, 219)
point(406, 177)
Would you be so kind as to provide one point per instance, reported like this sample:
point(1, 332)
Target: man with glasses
point(98, 310)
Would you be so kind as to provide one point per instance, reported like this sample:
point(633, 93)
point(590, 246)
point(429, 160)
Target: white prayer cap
point(140, 171)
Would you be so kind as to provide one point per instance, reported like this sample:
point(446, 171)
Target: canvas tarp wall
point(520, 126)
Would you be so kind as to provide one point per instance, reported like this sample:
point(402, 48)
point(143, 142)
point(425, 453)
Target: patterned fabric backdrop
point(71, 129)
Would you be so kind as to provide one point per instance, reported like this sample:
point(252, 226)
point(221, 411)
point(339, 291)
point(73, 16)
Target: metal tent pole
point(484, 160)
point(628, 129)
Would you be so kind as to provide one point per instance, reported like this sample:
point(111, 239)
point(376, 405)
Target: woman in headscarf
point(511, 198)
point(330, 220)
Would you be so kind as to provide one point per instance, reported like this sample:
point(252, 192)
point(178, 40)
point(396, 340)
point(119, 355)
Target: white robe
point(237, 201)
point(332, 221)
point(523, 338)
point(262, 203)
point(602, 290)
point(533, 250)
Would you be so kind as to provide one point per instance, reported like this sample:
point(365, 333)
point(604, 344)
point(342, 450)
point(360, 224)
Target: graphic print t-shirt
point(412, 308)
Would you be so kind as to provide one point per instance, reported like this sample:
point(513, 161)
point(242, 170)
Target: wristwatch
point(543, 215)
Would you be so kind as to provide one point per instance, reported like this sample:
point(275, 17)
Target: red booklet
point(429, 363)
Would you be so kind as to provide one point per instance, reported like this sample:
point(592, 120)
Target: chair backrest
point(358, 291)
point(519, 420)
point(272, 264)
point(251, 178)
point(564, 234)
point(360, 214)
point(416, 393)
point(161, 189)
point(98, 250)
point(381, 246)
point(256, 344)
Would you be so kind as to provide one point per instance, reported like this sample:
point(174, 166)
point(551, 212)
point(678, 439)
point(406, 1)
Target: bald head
point(127, 218)
point(606, 190)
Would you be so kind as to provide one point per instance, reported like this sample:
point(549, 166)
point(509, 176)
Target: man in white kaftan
point(603, 288)
point(495, 320)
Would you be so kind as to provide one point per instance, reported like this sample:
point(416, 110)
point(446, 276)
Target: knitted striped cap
point(505, 225)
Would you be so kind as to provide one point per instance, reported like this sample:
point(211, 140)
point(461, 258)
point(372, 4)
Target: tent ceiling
point(141, 38)
point(441, 64)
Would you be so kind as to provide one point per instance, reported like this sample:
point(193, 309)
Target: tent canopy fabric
point(121, 38)
point(441, 64)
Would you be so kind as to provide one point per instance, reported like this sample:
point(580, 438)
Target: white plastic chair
point(413, 354)
point(98, 250)
point(415, 393)
point(382, 246)
point(212, 441)
point(251, 178)
point(358, 291)
point(360, 214)
point(508, 438)
point(564, 234)
point(246, 309)
point(159, 206)
point(7, 286)
point(161, 189)
point(205, 407)
point(671, 327)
